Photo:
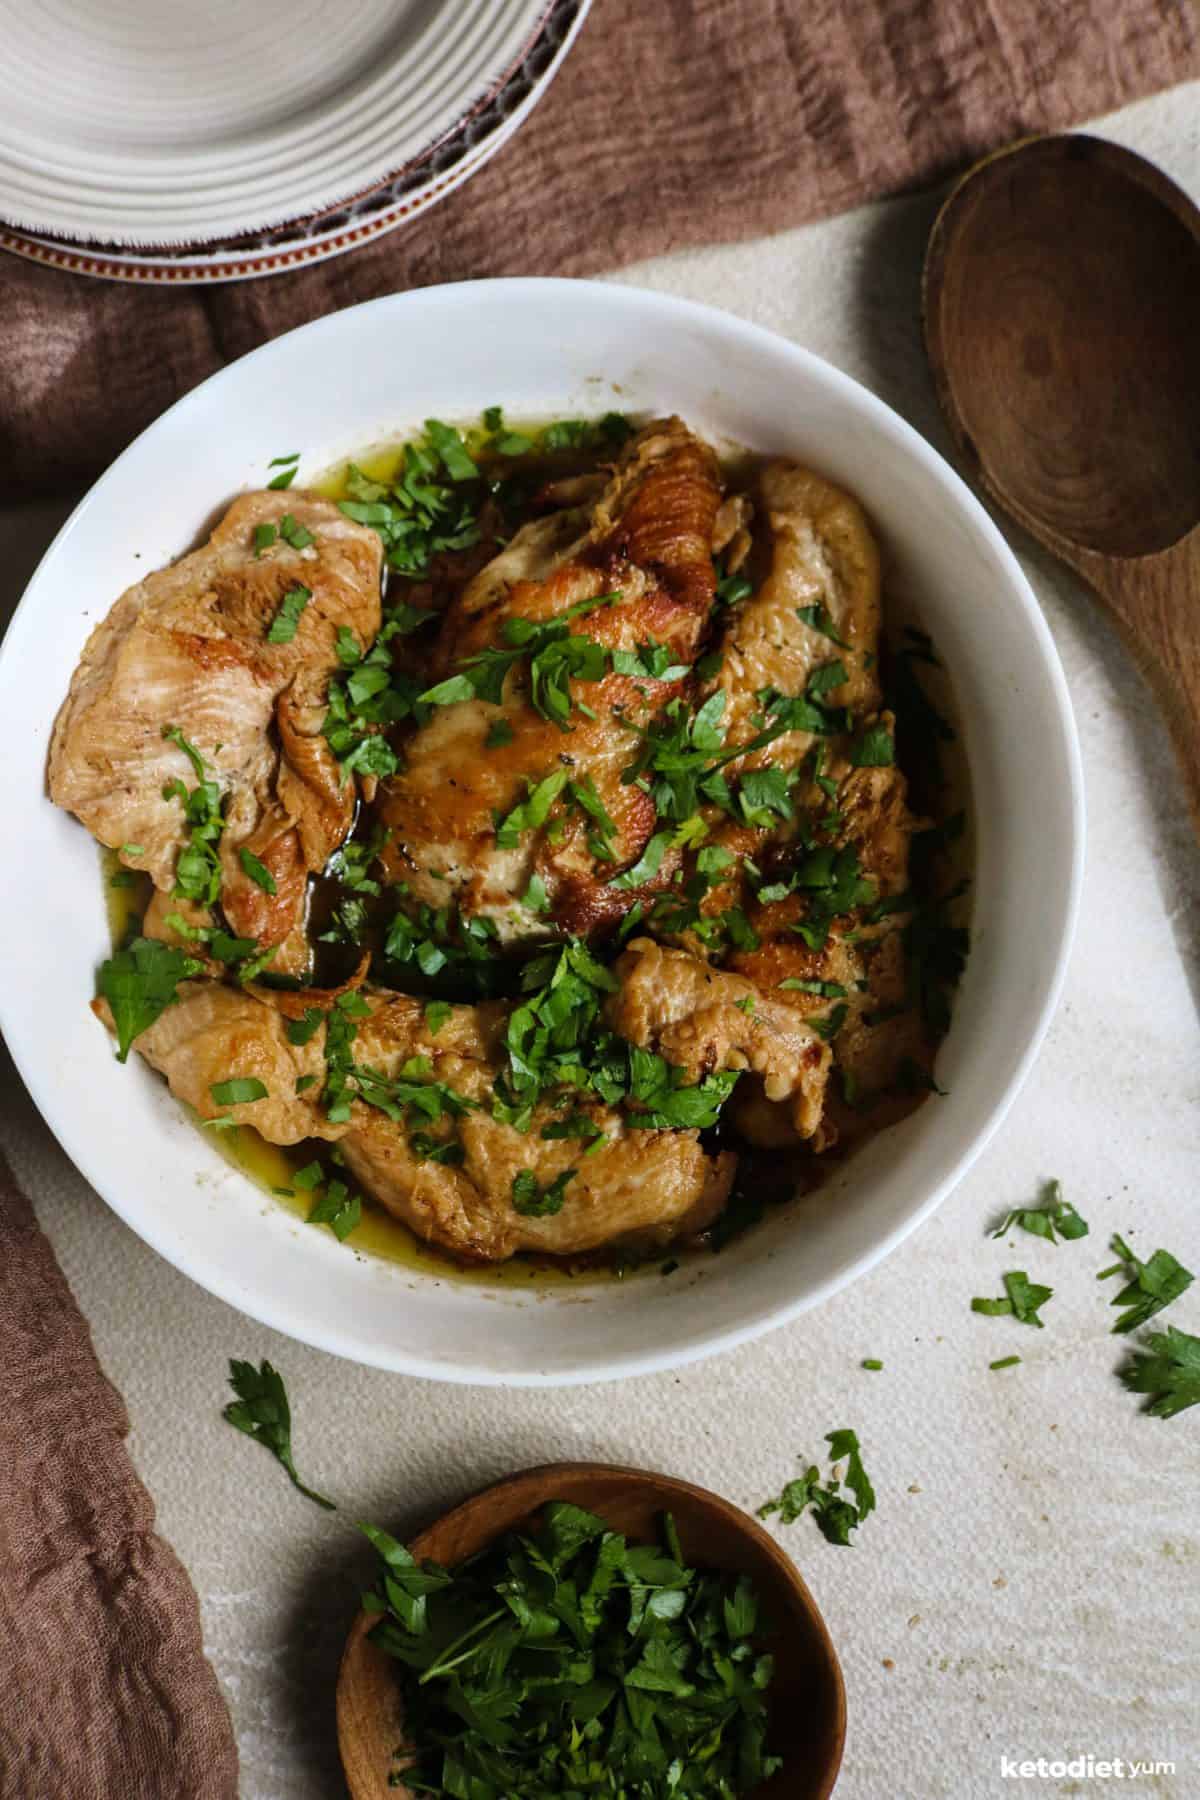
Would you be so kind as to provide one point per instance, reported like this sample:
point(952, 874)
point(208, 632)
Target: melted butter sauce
point(763, 1176)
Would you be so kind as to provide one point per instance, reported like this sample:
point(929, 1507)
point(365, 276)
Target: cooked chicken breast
point(647, 540)
point(702, 1021)
point(823, 556)
point(639, 1187)
point(189, 648)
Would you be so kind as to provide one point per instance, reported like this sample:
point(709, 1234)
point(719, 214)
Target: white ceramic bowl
point(539, 348)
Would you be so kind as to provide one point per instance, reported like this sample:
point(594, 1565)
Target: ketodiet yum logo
point(1082, 1768)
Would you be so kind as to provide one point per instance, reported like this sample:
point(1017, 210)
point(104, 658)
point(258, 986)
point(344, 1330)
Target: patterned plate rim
point(294, 243)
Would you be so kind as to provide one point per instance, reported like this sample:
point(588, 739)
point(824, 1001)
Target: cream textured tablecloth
point(1029, 1586)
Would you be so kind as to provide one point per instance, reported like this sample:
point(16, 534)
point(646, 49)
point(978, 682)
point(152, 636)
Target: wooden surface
point(1062, 320)
point(808, 1722)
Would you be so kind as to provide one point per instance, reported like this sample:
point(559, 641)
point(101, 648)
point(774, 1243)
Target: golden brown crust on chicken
point(188, 647)
point(648, 537)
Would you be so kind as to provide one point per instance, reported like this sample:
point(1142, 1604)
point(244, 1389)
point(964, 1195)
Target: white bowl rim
point(616, 1365)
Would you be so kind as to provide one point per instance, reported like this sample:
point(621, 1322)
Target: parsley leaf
point(239, 1091)
point(1024, 1300)
point(261, 1410)
point(338, 1208)
point(1151, 1285)
point(295, 534)
point(257, 871)
point(139, 983)
point(437, 1012)
point(1168, 1370)
point(283, 626)
point(835, 1515)
point(875, 749)
point(1054, 1215)
point(532, 1200)
point(818, 619)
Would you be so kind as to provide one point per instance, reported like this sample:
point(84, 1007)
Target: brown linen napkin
point(673, 123)
point(104, 1690)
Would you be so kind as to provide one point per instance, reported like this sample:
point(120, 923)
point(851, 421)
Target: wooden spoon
point(1062, 319)
point(808, 1711)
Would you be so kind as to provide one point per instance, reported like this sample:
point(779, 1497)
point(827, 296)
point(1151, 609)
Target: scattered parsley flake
point(532, 1200)
point(1054, 1215)
point(1168, 1370)
point(283, 626)
point(1023, 1302)
point(240, 1090)
point(1150, 1285)
point(257, 871)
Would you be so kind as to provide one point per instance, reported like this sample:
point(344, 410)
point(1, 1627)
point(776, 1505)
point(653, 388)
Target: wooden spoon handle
point(1157, 601)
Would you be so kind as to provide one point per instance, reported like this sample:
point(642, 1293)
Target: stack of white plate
point(143, 140)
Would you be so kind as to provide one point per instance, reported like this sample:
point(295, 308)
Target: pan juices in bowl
point(301, 1277)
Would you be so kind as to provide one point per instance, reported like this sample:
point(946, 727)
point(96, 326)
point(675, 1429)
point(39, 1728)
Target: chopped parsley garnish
point(448, 444)
point(552, 653)
point(831, 1024)
point(264, 537)
point(139, 983)
point(1168, 1370)
point(531, 813)
point(1024, 1300)
point(827, 990)
point(239, 1091)
point(733, 589)
point(1149, 1287)
point(500, 732)
point(875, 749)
point(198, 869)
point(556, 1038)
point(1054, 1215)
point(871, 1362)
point(647, 865)
point(257, 871)
point(283, 626)
point(817, 619)
point(370, 695)
point(303, 1030)
point(412, 1094)
point(338, 1208)
point(286, 474)
point(437, 1013)
point(430, 507)
point(295, 534)
point(261, 1410)
point(532, 1200)
point(606, 433)
point(535, 896)
point(569, 1661)
point(1004, 1362)
point(836, 1515)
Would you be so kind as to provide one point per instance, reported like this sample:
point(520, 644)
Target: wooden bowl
point(808, 1700)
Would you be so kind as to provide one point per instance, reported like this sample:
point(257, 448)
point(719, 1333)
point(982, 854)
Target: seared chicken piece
point(189, 648)
point(703, 1021)
point(647, 539)
point(822, 556)
point(213, 1033)
point(640, 1186)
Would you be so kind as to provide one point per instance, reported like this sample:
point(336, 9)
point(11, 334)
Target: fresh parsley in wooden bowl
point(590, 1630)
